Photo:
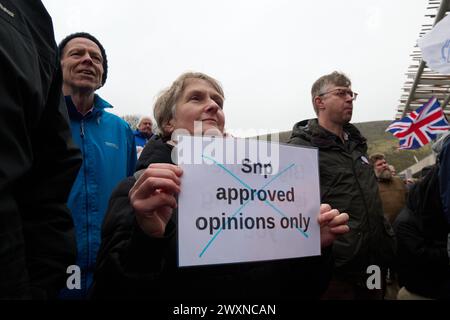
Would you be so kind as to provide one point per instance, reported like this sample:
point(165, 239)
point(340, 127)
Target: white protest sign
point(435, 46)
point(246, 200)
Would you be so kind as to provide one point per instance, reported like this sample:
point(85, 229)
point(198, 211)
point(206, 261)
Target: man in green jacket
point(348, 183)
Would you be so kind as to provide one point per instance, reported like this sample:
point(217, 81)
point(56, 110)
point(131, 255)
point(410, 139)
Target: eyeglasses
point(342, 93)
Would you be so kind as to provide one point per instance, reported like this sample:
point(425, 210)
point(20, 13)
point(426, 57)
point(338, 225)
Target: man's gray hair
point(144, 118)
point(323, 83)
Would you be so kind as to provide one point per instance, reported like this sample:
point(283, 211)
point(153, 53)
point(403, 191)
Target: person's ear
point(318, 102)
point(169, 127)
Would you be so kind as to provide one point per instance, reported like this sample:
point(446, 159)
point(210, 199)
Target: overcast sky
point(266, 53)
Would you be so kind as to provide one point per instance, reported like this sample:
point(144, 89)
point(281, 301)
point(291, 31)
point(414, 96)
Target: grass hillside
point(384, 142)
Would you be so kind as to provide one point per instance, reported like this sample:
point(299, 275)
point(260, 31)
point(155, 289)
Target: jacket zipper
point(82, 134)
point(82, 129)
point(358, 183)
point(365, 207)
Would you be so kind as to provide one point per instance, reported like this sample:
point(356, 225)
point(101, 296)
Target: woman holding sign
point(138, 254)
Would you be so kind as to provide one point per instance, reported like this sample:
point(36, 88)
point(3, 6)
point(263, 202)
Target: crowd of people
point(79, 187)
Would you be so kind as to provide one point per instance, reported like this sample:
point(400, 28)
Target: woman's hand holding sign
point(153, 197)
point(332, 224)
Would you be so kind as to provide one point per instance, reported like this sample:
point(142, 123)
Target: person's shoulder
point(112, 118)
point(355, 134)
point(102, 105)
point(398, 180)
point(445, 147)
point(442, 143)
point(301, 134)
point(38, 20)
point(299, 140)
point(155, 151)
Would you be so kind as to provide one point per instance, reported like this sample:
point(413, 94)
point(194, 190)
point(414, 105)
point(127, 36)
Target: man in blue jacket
point(143, 133)
point(106, 141)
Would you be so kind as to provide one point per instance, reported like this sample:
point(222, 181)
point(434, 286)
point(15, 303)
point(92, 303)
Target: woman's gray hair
point(165, 105)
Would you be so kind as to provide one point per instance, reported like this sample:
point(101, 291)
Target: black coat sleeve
point(128, 259)
point(413, 248)
point(422, 261)
point(47, 222)
point(38, 160)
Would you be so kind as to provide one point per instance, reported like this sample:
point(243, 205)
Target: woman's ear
point(169, 127)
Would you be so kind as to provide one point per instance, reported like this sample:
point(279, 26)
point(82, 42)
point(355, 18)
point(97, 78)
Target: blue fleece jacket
point(109, 155)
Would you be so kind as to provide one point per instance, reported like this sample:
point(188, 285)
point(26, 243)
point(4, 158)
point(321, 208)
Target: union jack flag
point(421, 126)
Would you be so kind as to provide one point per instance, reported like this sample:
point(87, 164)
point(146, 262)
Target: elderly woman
point(138, 255)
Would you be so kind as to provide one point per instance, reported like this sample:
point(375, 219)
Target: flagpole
point(443, 8)
point(445, 103)
point(413, 88)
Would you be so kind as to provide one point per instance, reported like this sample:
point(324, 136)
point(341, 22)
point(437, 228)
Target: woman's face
point(199, 109)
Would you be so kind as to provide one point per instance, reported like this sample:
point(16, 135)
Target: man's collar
point(346, 135)
point(101, 103)
point(324, 137)
point(98, 106)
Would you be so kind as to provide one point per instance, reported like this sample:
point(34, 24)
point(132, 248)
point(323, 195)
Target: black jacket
point(348, 183)
point(132, 265)
point(38, 160)
point(422, 231)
